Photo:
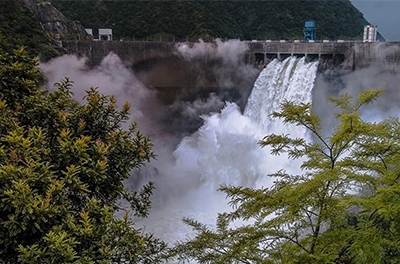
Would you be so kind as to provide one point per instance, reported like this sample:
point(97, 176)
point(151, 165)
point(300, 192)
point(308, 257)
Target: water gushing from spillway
point(225, 150)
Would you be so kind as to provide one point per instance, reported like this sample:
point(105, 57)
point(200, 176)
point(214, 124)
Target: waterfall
point(292, 80)
point(225, 150)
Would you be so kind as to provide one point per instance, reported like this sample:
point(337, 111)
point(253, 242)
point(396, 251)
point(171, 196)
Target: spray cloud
point(111, 77)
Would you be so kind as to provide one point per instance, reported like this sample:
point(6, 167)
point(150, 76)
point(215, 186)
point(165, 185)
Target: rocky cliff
point(54, 22)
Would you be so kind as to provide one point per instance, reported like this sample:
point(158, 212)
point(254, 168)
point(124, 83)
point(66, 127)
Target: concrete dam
point(346, 55)
point(160, 67)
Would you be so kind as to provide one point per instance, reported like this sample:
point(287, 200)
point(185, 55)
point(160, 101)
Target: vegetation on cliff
point(20, 27)
point(268, 19)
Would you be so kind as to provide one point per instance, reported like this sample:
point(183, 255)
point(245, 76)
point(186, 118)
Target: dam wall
point(346, 55)
point(159, 67)
point(131, 52)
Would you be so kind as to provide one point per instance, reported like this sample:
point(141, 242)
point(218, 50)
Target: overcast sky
point(383, 13)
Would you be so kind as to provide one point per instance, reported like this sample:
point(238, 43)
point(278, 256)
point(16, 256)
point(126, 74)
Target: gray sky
point(383, 13)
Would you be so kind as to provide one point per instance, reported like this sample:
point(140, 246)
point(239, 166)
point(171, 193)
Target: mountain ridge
point(191, 20)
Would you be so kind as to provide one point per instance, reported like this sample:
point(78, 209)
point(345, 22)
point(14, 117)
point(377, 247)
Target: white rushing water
point(225, 150)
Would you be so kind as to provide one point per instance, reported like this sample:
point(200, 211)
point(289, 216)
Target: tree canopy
point(193, 19)
point(343, 208)
point(62, 166)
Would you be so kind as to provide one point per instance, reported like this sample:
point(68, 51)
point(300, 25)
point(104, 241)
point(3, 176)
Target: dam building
point(370, 33)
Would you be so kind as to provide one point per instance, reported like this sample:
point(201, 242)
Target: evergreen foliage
point(192, 19)
point(62, 166)
point(343, 208)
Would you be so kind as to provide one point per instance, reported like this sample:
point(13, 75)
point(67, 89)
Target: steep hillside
point(20, 27)
point(268, 19)
point(54, 22)
point(34, 24)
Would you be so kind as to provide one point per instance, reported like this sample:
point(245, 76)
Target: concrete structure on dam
point(346, 55)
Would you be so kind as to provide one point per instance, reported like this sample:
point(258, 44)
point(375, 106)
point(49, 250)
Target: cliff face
point(20, 27)
point(54, 22)
point(33, 24)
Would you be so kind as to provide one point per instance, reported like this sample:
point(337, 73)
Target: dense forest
point(180, 20)
point(185, 20)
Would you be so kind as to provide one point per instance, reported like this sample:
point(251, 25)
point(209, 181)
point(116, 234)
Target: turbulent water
point(225, 150)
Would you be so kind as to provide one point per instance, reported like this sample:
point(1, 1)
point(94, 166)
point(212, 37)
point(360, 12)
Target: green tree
point(343, 208)
point(62, 166)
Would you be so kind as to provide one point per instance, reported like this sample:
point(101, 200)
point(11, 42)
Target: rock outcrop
point(54, 22)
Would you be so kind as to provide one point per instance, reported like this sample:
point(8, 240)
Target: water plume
point(225, 150)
